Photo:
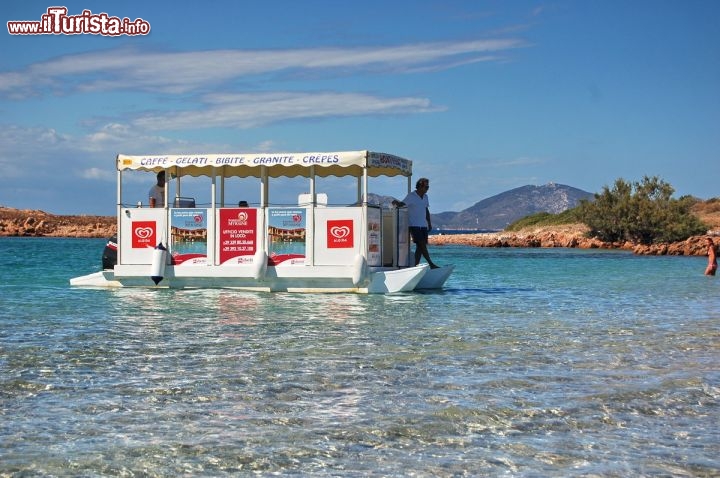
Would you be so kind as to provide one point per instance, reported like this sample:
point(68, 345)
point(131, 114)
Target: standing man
point(157, 192)
point(419, 218)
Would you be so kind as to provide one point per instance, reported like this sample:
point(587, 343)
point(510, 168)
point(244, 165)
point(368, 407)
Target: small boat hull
point(400, 280)
point(96, 279)
point(435, 278)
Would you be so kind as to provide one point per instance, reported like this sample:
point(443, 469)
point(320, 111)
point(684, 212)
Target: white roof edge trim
point(247, 164)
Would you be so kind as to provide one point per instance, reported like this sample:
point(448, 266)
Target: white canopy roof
point(341, 163)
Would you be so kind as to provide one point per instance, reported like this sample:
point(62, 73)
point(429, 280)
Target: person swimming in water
point(712, 258)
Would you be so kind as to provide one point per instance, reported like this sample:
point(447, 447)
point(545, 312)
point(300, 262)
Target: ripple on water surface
point(529, 363)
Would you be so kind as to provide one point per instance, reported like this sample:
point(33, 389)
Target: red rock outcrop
point(26, 222)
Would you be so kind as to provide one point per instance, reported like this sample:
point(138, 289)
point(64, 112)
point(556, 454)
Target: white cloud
point(514, 162)
point(265, 146)
point(29, 151)
point(254, 109)
point(117, 137)
point(43, 152)
point(98, 174)
point(496, 163)
point(182, 72)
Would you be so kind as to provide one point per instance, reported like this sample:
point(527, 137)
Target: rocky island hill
point(35, 223)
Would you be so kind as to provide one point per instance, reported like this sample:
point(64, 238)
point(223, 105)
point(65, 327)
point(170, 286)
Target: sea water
point(531, 362)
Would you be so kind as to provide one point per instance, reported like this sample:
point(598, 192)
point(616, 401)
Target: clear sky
point(483, 96)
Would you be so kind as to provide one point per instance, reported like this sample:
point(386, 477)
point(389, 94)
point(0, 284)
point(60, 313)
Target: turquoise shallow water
point(532, 362)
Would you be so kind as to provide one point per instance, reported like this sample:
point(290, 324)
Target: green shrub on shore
point(570, 216)
point(642, 212)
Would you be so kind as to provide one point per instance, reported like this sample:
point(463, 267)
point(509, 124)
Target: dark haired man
point(419, 219)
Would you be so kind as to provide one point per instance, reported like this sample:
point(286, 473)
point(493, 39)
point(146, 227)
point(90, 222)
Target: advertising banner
point(143, 234)
point(286, 236)
point(340, 234)
point(188, 230)
point(238, 235)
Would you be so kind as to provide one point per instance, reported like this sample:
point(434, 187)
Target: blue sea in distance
point(531, 362)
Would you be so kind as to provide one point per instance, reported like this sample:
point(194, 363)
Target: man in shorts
point(419, 218)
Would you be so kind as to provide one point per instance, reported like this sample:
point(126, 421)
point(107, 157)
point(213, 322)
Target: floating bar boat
point(309, 247)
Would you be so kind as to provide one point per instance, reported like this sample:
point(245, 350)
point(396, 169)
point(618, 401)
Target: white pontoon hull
point(287, 279)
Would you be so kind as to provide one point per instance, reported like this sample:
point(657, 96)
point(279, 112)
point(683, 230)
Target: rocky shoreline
point(569, 236)
point(34, 223)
